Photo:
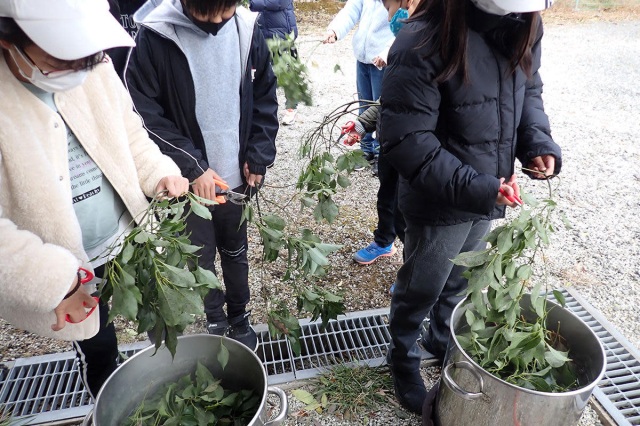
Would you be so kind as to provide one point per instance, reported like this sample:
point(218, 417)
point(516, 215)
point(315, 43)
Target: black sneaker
point(217, 328)
point(241, 330)
point(374, 166)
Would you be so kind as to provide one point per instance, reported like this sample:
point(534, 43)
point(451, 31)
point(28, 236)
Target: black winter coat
point(450, 142)
point(162, 89)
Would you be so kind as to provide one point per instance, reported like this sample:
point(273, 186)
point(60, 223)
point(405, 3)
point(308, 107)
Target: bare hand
point(330, 37)
point(205, 186)
point(379, 62)
point(252, 180)
point(352, 138)
point(511, 188)
point(544, 164)
point(175, 186)
point(75, 306)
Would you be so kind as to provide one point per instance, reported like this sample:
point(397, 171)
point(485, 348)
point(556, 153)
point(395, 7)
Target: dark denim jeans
point(225, 235)
point(369, 84)
point(390, 220)
point(428, 282)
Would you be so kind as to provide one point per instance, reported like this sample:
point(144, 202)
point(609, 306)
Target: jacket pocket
point(474, 123)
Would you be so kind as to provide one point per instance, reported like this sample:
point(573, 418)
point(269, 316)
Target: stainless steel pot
point(145, 373)
point(468, 395)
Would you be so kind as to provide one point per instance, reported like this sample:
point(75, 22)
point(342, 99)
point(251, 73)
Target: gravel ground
point(587, 70)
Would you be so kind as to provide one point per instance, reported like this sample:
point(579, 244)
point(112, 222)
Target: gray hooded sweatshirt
point(216, 64)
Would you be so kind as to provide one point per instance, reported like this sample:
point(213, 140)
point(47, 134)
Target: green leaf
point(203, 376)
point(124, 303)
point(179, 276)
point(223, 355)
point(556, 358)
point(303, 396)
point(127, 253)
point(317, 256)
point(560, 298)
point(471, 259)
point(505, 240)
point(343, 181)
point(199, 209)
point(274, 221)
point(206, 277)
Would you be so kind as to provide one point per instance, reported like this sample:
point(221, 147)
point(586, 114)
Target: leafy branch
point(501, 338)
point(154, 279)
point(291, 73)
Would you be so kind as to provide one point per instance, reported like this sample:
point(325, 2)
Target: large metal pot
point(145, 373)
point(468, 395)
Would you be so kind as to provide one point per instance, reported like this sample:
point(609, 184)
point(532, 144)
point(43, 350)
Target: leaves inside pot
point(197, 399)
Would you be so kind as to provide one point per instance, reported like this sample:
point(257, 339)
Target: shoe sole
point(391, 253)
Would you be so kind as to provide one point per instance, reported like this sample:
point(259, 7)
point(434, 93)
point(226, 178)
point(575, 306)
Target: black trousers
point(98, 356)
point(390, 219)
point(225, 235)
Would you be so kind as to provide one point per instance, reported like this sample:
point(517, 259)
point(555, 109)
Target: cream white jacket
point(40, 240)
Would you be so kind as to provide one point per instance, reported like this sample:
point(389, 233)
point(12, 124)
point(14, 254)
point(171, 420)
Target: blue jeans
point(369, 84)
point(428, 282)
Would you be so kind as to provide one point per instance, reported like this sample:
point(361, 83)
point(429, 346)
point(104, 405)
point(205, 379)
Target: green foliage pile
point(198, 399)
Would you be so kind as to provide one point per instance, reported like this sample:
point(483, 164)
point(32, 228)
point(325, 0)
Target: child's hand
point(379, 62)
point(205, 185)
point(175, 186)
point(352, 138)
point(330, 37)
point(509, 188)
point(252, 180)
point(543, 166)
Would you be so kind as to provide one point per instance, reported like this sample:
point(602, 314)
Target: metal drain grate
point(619, 390)
point(48, 388)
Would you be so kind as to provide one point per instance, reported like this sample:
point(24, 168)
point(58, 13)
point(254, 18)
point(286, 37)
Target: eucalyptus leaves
point(155, 280)
point(529, 354)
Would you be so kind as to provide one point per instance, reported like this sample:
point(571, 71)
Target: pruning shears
point(231, 196)
point(347, 128)
point(85, 276)
point(225, 194)
point(512, 198)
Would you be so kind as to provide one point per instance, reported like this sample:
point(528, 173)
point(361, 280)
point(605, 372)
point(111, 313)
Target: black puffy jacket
point(277, 18)
point(161, 86)
point(450, 142)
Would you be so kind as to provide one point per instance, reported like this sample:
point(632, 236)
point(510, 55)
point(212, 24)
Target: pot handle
point(88, 419)
point(457, 389)
point(284, 406)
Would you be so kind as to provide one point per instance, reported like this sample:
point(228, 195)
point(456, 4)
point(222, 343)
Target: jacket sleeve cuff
point(256, 169)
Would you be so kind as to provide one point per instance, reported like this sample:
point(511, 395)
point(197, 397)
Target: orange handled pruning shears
point(85, 276)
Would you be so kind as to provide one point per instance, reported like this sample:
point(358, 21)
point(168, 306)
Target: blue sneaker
point(373, 251)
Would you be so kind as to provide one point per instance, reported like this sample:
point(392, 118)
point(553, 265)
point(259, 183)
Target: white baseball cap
point(504, 7)
point(67, 29)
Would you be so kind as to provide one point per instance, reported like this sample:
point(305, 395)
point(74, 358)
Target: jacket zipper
point(498, 113)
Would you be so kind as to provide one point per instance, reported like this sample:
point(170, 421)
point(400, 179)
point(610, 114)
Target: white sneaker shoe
point(289, 116)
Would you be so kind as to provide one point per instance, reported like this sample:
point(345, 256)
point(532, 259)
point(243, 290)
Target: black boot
point(240, 329)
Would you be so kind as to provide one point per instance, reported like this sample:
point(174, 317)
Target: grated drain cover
point(48, 388)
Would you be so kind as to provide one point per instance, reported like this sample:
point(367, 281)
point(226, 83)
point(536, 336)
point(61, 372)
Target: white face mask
point(57, 81)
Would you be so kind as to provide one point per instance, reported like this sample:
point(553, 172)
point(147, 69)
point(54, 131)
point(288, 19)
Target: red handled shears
point(347, 128)
point(512, 198)
point(85, 276)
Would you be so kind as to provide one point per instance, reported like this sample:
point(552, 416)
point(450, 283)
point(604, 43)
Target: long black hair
point(448, 31)
point(208, 7)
